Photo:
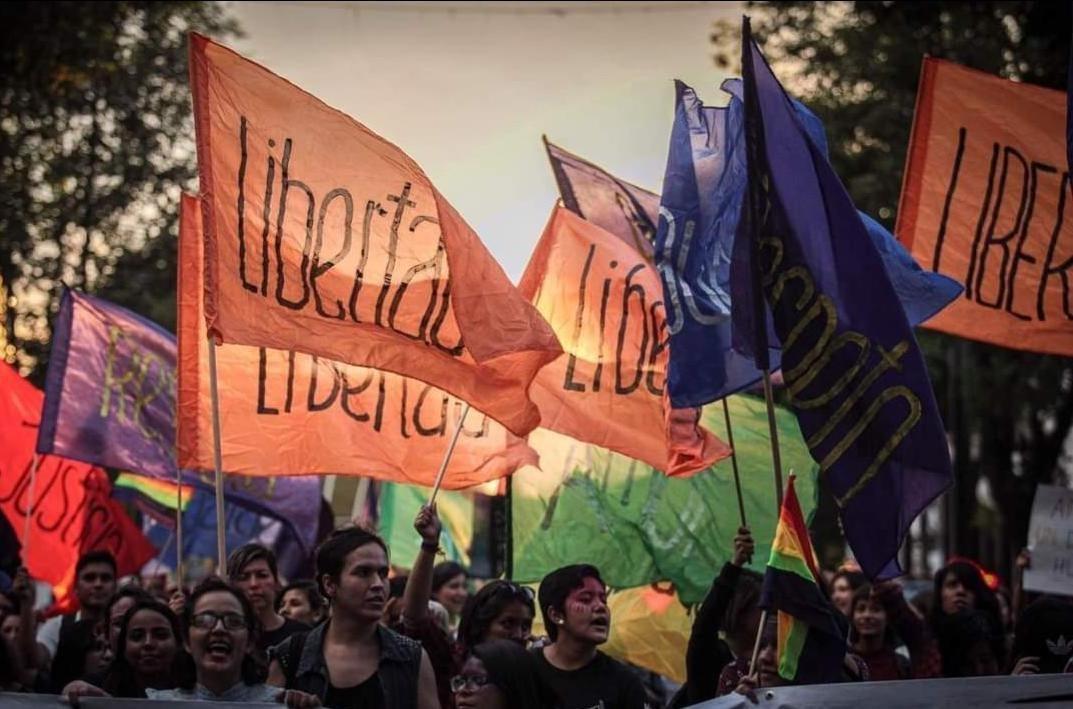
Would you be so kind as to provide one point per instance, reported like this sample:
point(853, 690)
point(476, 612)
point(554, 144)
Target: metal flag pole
point(447, 456)
point(221, 538)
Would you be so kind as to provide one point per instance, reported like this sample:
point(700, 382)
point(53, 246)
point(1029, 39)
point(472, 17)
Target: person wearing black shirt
point(573, 602)
point(252, 568)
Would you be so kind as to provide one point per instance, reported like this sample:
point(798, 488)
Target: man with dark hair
point(252, 568)
point(352, 660)
point(95, 582)
point(573, 602)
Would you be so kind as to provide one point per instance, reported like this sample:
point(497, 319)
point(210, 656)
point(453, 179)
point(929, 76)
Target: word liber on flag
point(604, 301)
point(987, 200)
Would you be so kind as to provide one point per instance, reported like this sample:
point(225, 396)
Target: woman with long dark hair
point(966, 621)
point(149, 655)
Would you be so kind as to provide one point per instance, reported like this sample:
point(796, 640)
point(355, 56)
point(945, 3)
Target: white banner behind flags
point(1050, 539)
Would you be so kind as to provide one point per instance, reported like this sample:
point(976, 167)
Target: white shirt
point(49, 633)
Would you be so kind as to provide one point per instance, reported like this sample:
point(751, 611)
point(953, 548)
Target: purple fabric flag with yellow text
point(110, 389)
point(854, 374)
point(110, 400)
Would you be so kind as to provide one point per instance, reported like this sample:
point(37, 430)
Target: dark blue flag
point(704, 186)
point(702, 194)
point(853, 371)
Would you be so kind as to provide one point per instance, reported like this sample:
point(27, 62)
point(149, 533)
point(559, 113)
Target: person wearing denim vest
point(350, 659)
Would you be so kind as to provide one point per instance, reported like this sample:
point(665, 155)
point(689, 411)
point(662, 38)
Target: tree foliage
point(857, 64)
point(96, 143)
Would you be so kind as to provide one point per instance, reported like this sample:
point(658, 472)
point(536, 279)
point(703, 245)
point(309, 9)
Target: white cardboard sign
point(1050, 539)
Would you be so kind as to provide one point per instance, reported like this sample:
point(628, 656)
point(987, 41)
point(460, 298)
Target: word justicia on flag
point(70, 508)
point(604, 301)
point(322, 237)
point(288, 413)
point(110, 389)
point(987, 200)
point(854, 374)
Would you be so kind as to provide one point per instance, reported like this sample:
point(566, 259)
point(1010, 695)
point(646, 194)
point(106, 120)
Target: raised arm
point(419, 584)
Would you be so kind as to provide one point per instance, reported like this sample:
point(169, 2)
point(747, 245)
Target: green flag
point(635, 524)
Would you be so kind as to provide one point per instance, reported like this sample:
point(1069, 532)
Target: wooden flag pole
point(734, 462)
point(508, 501)
point(756, 645)
point(447, 456)
point(221, 538)
point(29, 508)
point(776, 459)
point(179, 528)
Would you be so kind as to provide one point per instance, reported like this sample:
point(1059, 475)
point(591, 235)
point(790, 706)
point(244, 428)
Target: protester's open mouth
point(218, 649)
point(600, 624)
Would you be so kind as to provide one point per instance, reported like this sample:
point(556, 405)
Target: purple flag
point(110, 389)
point(110, 400)
point(854, 374)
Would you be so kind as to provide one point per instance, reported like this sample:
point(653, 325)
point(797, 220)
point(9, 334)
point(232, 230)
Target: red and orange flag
point(287, 413)
point(322, 237)
point(604, 300)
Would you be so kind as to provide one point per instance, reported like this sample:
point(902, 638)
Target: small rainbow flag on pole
point(811, 643)
point(162, 494)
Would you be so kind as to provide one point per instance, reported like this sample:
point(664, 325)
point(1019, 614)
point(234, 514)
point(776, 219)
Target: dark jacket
point(302, 659)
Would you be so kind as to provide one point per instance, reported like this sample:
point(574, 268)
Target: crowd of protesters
point(356, 638)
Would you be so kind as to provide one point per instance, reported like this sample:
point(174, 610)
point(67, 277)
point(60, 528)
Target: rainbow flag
point(159, 493)
point(811, 642)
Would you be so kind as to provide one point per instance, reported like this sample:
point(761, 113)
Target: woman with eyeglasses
point(221, 636)
point(500, 674)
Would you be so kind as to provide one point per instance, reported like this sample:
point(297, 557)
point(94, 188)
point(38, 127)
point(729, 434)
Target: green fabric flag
point(399, 505)
point(638, 526)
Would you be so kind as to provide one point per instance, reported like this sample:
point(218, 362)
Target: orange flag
point(286, 413)
point(72, 509)
point(987, 201)
point(604, 300)
point(322, 237)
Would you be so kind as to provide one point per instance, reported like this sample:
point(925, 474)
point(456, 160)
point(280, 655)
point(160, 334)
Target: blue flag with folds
point(703, 191)
point(854, 374)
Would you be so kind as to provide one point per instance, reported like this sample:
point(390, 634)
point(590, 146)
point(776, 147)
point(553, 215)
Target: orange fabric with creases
point(604, 300)
point(986, 200)
point(290, 414)
point(324, 238)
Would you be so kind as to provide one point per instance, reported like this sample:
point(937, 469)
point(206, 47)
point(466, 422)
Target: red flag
point(72, 510)
point(324, 238)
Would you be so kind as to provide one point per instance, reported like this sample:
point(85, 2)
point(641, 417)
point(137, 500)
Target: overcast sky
point(467, 89)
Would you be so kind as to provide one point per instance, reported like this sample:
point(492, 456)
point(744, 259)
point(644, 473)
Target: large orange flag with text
point(70, 505)
point(286, 413)
point(605, 302)
point(987, 201)
point(322, 237)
